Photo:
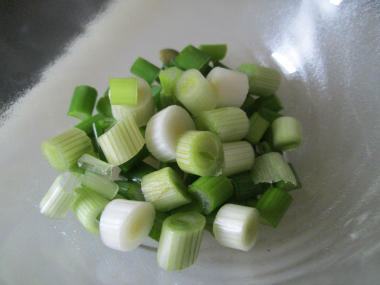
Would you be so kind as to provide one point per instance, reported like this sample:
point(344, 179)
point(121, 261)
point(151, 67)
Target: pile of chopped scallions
point(219, 138)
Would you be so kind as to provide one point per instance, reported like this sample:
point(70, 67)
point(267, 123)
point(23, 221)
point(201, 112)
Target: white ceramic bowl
point(328, 52)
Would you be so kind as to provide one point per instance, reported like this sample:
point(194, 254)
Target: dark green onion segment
point(83, 102)
point(216, 51)
point(145, 70)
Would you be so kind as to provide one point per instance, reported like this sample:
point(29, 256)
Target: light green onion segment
point(101, 184)
point(87, 207)
point(83, 102)
point(231, 86)
point(59, 199)
point(169, 78)
point(123, 91)
point(195, 92)
point(211, 192)
point(216, 51)
point(237, 226)
point(62, 151)
point(130, 190)
point(263, 81)
point(165, 189)
point(96, 165)
point(180, 240)
point(270, 168)
point(124, 224)
point(229, 124)
point(257, 128)
point(238, 157)
point(288, 186)
point(273, 205)
point(141, 112)
point(200, 153)
point(159, 219)
point(287, 133)
point(145, 70)
point(164, 129)
point(122, 142)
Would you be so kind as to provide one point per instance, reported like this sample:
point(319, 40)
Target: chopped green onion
point(105, 124)
point(173, 63)
point(264, 148)
point(124, 224)
point(164, 189)
point(271, 102)
point(194, 206)
point(145, 70)
point(238, 157)
point(136, 173)
point(237, 226)
point(287, 133)
point(192, 58)
point(288, 186)
point(210, 219)
point(195, 92)
point(101, 184)
point(173, 166)
point(190, 178)
point(140, 156)
point(273, 205)
point(156, 90)
point(168, 79)
point(219, 64)
point(257, 128)
point(166, 55)
point(122, 142)
point(270, 168)
point(263, 81)
point(159, 219)
point(86, 125)
point(200, 153)
point(216, 51)
point(231, 86)
point(58, 200)
point(123, 91)
point(87, 207)
point(269, 115)
point(229, 124)
point(118, 196)
point(211, 192)
point(164, 129)
point(83, 102)
point(93, 164)
point(180, 240)
point(98, 131)
point(130, 190)
point(141, 112)
point(244, 188)
point(248, 102)
point(62, 151)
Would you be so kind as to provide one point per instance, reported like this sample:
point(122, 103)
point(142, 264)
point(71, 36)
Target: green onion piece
point(159, 219)
point(86, 125)
point(269, 115)
point(219, 64)
point(168, 79)
point(145, 70)
point(190, 178)
point(270, 168)
point(211, 192)
point(124, 224)
point(288, 186)
point(105, 124)
point(101, 184)
point(210, 219)
point(237, 226)
point(136, 173)
point(118, 196)
point(104, 107)
point(252, 203)
point(229, 124)
point(83, 102)
point(140, 156)
point(194, 206)
point(238, 157)
point(156, 90)
point(122, 142)
point(257, 128)
point(287, 133)
point(180, 240)
point(192, 58)
point(164, 189)
point(264, 148)
point(195, 92)
point(93, 164)
point(248, 102)
point(106, 93)
point(130, 190)
point(123, 91)
point(200, 153)
point(98, 131)
point(141, 112)
point(263, 81)
point(166, 55)
point(173, 63)
point(62, 151)
point(271, 102)
point(273, 205)
point(87, 207)
point(58, 200)
point(166, 99)
point(217, 52)
point(244, 188)
point(77, 169)
point(173, 166)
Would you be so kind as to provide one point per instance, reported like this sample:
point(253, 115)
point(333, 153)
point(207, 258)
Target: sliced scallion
point(216, 51)
point(168, 79)
point(238, 157)
point(103, 106)
point(130, 190)
point(271, 102)
point(83, 102)
point(93, 164)
point(257, 128)
point(192, 58)
point(137, 172)
point(86, 125)
point(166, 55)
point(288, 186)
point(287, 133)
point(159, 219)
point(123, 91)
point(268, 115)
point(101, 184)
point(173, 166)
point(244, 188)
point(145, 70)
point(140, 156)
